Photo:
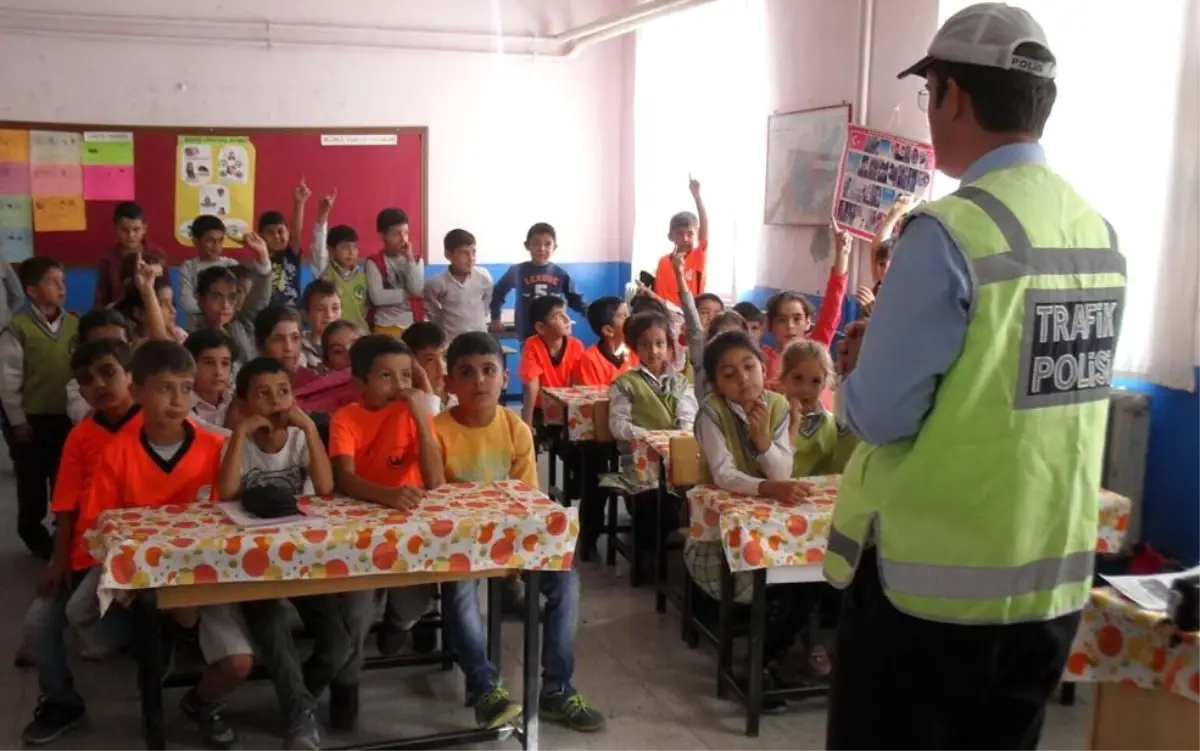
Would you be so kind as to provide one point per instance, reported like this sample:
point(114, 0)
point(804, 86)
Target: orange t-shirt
point(536, 363)
point(383, 443)
point(76, 468)
point(595, 369)
point(130, 473)
point(693, 275)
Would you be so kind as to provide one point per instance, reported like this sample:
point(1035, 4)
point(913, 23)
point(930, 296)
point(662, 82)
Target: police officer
point(965, 526)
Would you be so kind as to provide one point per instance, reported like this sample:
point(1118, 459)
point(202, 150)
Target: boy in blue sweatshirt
point(533, 279)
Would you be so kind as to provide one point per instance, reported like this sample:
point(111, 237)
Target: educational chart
point(215, 175)
point(56, 181)
point(877, 169)
point(108, 166)
point(804, 153)
point(16, 211)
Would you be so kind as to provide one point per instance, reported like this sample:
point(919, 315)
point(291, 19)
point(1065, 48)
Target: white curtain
point(700, 108)
point(1125, 132)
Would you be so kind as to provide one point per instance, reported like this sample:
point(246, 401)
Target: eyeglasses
point(923, 100)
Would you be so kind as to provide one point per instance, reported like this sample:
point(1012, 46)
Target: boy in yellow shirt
point(482, 441)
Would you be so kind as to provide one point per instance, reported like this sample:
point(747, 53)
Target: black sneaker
point(343, 707)
point(569, 708)
point(496, 709)
point(214, 731)
point(50, 721)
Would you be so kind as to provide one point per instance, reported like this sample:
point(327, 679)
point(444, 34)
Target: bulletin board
point(63, 194)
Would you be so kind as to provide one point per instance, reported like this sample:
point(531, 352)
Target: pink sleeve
point(831, 310)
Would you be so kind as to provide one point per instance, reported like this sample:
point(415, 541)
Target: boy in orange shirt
point(170, 460)
point(689, 234)
point(549, 356)
point(101, 367)
point(609, 357)
point(383, 451)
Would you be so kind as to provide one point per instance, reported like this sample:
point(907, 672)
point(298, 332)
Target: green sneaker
point(572, 710)
point(496, 709)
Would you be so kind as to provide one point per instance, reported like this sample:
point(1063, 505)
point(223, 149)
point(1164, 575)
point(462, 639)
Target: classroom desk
point(785, 543)
point(1145, 672)
point(582, 412)
point(184, 556)
point(652, 454)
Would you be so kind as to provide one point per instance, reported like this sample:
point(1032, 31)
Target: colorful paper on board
point(54, 147)
point(108, 148)
point(14, 178)
point(56, 179)
point(14, 146)
point(16, 245)
point(108, 183)
point(59, 214)
point(16, 212)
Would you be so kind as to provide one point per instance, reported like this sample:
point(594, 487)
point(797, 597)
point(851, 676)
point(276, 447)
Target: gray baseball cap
point(987, 34)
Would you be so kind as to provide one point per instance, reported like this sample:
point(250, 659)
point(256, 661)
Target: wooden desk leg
point(494, 616)
point(725, 630)
point(531, 691)
point(147, 630)
point(758, 631)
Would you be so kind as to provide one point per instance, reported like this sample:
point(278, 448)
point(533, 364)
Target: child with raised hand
point(550, 356)
point(702, 320)
point(743, 433)
point(216, 358)
point(322, 306)
point(35, 358)
point(285, 262)
point(485, 442)
point(172, 461)
point(384, 451)
point(688, 234)
point(149, 303)
point(881, 252)
point(395, 276)
point(129, 226)
point(208, 234)
point(101, 367)
point(532, 279)
point(458, 298)
point(609, 357)
point(822, 443)
point(276, 449)
point(790, 315)
point(335, 259)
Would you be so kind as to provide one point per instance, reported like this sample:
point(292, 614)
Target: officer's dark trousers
point(903, 682)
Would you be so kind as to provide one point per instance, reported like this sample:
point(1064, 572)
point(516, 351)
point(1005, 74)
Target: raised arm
point(299, 197)
point(894, 215)
point(701, 214)
point(153, 320)
point(260, 288)
point(319, 252)
point(830, 313)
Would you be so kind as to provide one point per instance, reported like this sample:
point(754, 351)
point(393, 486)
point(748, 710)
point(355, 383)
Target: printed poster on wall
point(108, 166)
point(878, 168)
point(215, 175)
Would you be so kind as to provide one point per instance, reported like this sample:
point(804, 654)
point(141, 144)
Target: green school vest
point(741, 448)
point(823, 446)
point(652, 409)
point(989, 514)
point(47, 362)
point(353, 291)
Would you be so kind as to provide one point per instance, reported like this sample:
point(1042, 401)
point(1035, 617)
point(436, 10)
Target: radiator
point(1126, 445)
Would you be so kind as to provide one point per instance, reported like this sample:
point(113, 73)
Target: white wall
point(813, 47)
point(513, 140)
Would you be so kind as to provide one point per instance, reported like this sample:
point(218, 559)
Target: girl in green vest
point(745, 442)
point(822, 444)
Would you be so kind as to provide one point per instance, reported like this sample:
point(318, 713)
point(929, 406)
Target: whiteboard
point(804, 156)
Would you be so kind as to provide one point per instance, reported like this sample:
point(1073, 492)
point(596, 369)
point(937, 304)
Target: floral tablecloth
point(646, 450)
point(763, 533)
point(457, 527)
point(1120, 642)
point(573, 406)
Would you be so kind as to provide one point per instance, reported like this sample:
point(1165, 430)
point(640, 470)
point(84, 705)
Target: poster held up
point(878, 169)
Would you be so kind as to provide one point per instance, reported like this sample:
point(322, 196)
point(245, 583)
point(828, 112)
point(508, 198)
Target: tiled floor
point(629, 661)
